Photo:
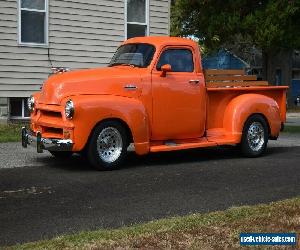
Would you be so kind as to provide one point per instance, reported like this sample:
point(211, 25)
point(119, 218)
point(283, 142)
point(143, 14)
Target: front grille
point(51, 114)
point(58, 131)
point(49, 123)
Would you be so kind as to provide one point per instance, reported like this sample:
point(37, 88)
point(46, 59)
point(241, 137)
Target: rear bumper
point(40, 143)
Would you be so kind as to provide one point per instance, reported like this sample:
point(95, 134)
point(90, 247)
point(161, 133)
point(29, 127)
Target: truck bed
point(224, 85)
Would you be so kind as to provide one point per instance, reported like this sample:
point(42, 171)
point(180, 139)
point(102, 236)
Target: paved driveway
point(41, 197)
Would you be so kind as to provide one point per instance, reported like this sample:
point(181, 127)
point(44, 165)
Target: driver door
point(179, 108)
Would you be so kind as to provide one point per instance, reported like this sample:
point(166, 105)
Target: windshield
point(137, 55)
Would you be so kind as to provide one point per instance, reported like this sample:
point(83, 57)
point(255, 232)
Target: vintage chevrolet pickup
point(154, 94)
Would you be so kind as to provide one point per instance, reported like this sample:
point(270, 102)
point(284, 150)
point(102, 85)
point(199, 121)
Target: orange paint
point(163, 106)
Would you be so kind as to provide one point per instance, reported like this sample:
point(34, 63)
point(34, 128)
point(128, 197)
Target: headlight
point(30, 103)
point(69, 109)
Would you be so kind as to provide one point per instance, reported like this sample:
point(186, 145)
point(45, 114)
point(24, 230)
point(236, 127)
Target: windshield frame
point(133, 65)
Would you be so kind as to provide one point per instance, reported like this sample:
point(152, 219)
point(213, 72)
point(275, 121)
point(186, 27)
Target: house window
point(137, 12)
point(18, 108)
point(33, 22)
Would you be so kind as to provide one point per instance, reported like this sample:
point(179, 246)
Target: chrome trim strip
point(130, 87)
point(41, 143)
point(194, 81)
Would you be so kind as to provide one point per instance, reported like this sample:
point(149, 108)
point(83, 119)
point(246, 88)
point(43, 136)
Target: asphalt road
point(49, 197)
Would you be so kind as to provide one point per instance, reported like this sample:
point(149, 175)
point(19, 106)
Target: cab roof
point(159, 41)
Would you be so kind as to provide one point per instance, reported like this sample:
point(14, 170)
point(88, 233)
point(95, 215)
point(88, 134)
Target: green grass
point(294, 110)
point(217, 230)
point(291, 129)
point(10, 133)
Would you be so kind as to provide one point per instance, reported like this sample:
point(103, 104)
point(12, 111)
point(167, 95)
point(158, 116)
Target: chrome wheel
point(256, 136)
point(109, 144)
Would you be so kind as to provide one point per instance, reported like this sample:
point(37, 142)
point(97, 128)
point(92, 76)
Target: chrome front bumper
point(40, 143)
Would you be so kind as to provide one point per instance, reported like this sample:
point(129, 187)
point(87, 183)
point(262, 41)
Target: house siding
point(159, 17)
point(82, 34)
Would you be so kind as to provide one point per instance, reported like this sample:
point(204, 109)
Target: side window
point(181, 60)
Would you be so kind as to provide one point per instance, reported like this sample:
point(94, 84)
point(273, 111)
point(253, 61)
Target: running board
point(178, 145)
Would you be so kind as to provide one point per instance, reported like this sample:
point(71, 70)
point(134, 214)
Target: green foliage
point(269, 24)
point(291, 129)
point(10, 133)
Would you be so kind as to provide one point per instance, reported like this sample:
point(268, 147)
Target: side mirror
point(164, 69)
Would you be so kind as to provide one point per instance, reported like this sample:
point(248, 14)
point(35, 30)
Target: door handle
point(130, 87)
point(194, 81)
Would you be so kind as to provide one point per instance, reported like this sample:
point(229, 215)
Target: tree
point(270, 25)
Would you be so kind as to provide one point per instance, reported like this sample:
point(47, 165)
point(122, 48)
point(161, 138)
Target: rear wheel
point(61, 154)
point(255, 136)
point(108, 146)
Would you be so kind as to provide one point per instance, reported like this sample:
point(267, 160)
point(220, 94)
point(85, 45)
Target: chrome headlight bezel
point(69, 109)
point(30, 103)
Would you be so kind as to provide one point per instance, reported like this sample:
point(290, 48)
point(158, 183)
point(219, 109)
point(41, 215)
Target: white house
point(36, 35)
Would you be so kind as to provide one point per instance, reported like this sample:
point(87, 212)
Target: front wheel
point(255, 136)
point(108, 146)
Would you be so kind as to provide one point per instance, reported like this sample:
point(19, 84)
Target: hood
point(110, 80)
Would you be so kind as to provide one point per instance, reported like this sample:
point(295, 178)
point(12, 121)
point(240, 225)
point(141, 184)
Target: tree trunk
point(281, 61)
point(269, 67)
point(265, 60)
point(286, 57)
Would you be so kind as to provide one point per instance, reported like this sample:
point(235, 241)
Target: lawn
point(291, 129)
point(217, 230)
point(294, 110)
point(10, 133)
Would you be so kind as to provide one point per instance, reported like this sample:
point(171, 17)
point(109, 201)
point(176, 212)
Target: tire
point(61, 154)
point(83, 154)
point(255, 136)
point(107, 147)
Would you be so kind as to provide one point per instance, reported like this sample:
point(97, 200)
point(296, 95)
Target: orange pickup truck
point(154, 94)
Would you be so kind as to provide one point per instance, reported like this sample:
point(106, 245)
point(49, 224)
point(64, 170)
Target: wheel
point(108, 146)
point(255, 136)
point(61, 154)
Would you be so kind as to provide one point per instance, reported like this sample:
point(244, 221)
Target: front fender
point(242, 107)
point(92, 109)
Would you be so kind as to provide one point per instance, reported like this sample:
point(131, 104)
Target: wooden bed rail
point(231, 78)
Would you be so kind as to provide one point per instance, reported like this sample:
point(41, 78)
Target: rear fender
point(242, 107)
